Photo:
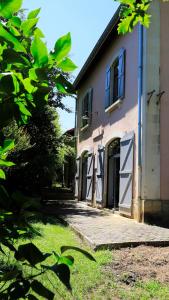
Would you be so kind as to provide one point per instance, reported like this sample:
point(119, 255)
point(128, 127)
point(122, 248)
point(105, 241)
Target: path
point(103, 229)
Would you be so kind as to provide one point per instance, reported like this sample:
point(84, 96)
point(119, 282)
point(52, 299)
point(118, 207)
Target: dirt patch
point(140, 263)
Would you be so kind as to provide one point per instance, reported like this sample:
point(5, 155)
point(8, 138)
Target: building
point(122, 120)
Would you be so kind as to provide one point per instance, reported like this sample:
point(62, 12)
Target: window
point(86, 108)
point(115, 80)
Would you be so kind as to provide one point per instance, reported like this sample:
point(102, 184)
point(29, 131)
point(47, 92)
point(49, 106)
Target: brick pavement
point(103, 229)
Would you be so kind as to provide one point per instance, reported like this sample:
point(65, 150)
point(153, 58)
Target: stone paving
point(103, 229)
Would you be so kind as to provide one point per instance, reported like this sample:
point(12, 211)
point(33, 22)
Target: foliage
point(19, 135)
point(133, 12)
point(25, 85)
point(38, 165)
point(68, 152)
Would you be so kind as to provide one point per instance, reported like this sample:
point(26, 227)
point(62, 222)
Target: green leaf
point(28, 26)
point(9, 7)
point(87, 254)
point(10, 38)
point(30, 253)
point(10, 56)
point(63, 273)
point(39, 52)
point(14, 31)
point(16, 85)
point(62, 47)
point(41, 290)
point(2, 174)
point(34, 13)
point(38, 33)
point(67, 260)
point(6, 163)
point(28, 86)
point(64, 86)
point(16, 21)
point(23, 109)
point(67, 65)
point(7, 146)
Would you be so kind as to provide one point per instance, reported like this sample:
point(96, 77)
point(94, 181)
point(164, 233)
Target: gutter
point(140, 94)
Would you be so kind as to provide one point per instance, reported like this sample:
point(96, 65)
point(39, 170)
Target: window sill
point(84, 128)
point(115, 105)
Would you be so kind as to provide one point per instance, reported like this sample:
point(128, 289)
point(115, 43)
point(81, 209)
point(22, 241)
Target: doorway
point(84, 175)
point(113, 174)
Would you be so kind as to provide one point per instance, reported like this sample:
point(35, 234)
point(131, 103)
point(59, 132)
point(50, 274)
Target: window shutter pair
point(121, 79)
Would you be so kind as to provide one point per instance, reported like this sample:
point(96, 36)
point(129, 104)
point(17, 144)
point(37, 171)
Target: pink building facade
point(122, 115)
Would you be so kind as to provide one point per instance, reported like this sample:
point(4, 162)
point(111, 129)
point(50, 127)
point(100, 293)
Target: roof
point(70, 132)
point(98, 47)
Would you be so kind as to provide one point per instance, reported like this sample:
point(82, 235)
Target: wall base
point(155, 212)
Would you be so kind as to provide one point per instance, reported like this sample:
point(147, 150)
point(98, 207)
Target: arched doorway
point(113, 179)
point(84, 175)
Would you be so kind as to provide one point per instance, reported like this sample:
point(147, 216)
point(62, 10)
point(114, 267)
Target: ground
point(140, 273)
point(141, 263)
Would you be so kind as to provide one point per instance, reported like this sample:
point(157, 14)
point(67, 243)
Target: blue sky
point(86, 20)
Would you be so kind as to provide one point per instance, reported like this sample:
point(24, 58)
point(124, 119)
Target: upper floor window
point(115, 80)
point(86, 113)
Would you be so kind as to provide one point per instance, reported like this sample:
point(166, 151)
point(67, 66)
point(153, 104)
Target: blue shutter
point(100, 174)
point(126, 172)
point(121, 75)
point(90, 102)
point(107, 87)
point(90, 166)
point(82, 112)
point(77, 176)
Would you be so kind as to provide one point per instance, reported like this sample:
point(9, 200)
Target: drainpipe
point(140, 93)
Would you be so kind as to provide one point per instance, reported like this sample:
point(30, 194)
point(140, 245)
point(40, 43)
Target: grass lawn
point(140, 273)
point(92, 280)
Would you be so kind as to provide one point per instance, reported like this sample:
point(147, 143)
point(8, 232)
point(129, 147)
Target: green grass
point(90, 280)
point(85, 274)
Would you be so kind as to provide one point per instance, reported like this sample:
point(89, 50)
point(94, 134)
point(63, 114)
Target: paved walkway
point(103, 229)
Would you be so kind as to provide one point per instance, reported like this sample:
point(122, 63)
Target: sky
point(85, 20)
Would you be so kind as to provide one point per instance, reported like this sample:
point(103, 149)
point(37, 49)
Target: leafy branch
point(133, 12)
